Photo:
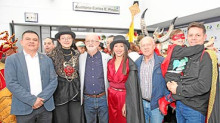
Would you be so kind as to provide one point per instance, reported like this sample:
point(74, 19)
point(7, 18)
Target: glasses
point(66, 39)
point(91, 41)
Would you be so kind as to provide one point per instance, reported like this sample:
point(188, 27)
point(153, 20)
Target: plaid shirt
point(146, 74)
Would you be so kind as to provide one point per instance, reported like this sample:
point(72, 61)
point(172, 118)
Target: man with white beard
point(93, 79)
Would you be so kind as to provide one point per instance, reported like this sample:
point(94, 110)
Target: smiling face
point(119, 49)
point(147, 46)
point(178, 39)
point(92, 42)
point(196, 36)
point(30, 42)
point(66, 41)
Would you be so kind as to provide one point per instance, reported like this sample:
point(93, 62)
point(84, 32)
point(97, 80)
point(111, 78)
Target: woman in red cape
point(124, 95)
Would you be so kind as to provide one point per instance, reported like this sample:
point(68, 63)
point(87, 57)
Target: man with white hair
point(152, 83)
point(93, 79)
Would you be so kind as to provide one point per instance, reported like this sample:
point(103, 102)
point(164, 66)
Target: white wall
point(60, 12)
point(164, 10)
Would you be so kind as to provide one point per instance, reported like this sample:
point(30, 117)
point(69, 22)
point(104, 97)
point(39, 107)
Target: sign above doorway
point(96, 8)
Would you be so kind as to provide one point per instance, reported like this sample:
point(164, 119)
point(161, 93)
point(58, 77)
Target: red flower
point(69, 70)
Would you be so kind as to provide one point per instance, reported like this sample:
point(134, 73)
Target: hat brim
point(57, 36)
point(119, 41)
point(81, 45)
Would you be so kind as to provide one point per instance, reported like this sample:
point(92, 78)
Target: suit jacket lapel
point(104, 63)
point(83, 66)
point(23, 64)
point(41, 63)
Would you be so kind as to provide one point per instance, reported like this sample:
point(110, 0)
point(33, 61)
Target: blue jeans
point(185, 114)
point(152, 116)
point(94, 107)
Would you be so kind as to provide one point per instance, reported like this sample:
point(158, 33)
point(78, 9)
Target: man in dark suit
point(31, 78)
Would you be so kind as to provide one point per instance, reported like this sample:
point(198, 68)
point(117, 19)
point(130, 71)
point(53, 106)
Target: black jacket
point(134, 105)
point(194, 86)
point(179, 53)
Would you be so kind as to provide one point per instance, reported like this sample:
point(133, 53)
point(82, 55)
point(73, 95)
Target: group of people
point(66, 86)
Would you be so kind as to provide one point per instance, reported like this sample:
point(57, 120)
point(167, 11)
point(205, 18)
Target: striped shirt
point(146, 74)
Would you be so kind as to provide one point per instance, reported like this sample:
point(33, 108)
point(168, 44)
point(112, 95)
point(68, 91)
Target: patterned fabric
point(5, 100)
point(213, 90)
point(5, 107)
point(146, 75)
point(179, 65)
point(2, 79)
point(66, 64)
point(57, 56)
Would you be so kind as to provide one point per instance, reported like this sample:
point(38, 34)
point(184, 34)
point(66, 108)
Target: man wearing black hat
point(67, 95)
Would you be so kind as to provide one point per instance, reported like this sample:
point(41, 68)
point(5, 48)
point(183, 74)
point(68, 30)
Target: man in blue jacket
point(31, 78)
point(152, 83)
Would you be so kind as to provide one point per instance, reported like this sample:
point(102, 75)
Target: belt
point(146, 100)
point(96, 96)
point(118, 89)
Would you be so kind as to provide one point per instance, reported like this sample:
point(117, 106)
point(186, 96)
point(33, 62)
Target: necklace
point(68, 54)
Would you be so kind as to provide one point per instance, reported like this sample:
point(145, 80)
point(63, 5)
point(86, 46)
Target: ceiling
point(213, 13)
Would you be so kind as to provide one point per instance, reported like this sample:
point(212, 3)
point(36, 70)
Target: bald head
point(92, 36)
point(147, 46)
point(147, 39)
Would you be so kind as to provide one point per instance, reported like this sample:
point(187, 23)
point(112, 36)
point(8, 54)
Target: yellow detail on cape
point(2, 66)
point(134, 9)
point(213, 57)
point(131, 32)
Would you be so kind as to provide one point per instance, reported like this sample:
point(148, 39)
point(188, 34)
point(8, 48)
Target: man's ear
point(21, 42)
point(205, 36)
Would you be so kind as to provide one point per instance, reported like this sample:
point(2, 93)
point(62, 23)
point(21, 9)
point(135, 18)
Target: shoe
point(163, 103)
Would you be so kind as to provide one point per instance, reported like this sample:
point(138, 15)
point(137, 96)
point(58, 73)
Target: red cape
point(156, 50)
point(166, 62)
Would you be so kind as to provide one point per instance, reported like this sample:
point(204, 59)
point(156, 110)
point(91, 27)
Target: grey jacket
point(17, 81)
point(82, 65)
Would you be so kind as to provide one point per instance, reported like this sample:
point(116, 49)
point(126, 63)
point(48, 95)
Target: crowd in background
point(122, 82)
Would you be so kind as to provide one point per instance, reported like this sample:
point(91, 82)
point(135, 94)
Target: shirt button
point(94, 91)
point(92, 61)
point(93, 84)
point(92, 68)
point(92, 76)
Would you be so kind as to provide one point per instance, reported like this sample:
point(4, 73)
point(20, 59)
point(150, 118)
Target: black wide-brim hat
point(65, 30)
point(119, 39)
